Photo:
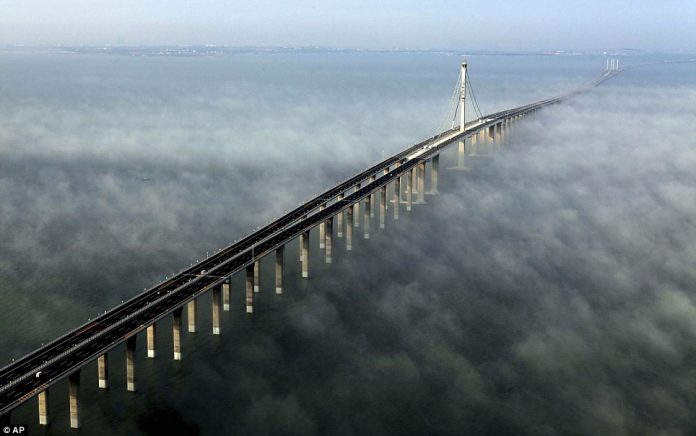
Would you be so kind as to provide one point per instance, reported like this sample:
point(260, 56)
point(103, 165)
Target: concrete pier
point(226, 295)
point(402, 190)
point(130, 363)
point(151, 342)
point(322, 229)
point(103, 371)
point(191, 315)
point(498, 136)
point(280, 253)
point(176, 332)
point(409, 190)
point(372, 197)
point(382, 206)
point(420, 172)
point(356, 209)
point(414, 180)
point(249, 288)
point(474, 145)
point(304, 237)
point(367, 215)
point(434, 174)
point(44, 418)
point(349, 228)
point(339, 219)
point(257, 276)
point(481, 142)
point(397, 197)
point(217, 291)
point(491, 139)
point(73, 390)
point(329, 239)
point(383, 201)
point(299, 240)
point(461, 154)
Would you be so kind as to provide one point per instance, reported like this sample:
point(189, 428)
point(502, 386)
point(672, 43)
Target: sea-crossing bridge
point(335, 212)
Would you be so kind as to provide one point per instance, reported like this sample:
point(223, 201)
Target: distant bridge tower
point(462, 98)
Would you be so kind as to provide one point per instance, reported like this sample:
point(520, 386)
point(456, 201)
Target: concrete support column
point(216, 309)
point(191, 314)
point(280, 252)
point(491, 139)
point(414, 180)
point(304, 237)
point(434, 173)
point(250, 289)
point(368, 213)
point(151, 342)
point(257, 276)
point(482, 141)
point(409, 189)
point(404, 187)
point(461, 154)
point(349, 228)
point(44, 418)
point(356, 209)
point(382, 206)
point(226, 291)
point(339, 219)
point(130, 363)
point(372, 198)
point(420, 171)
point(176, 332)
point(420, 176)
point(299, 240)
point(73, 389)
point(103, 371)
point(322, 229)
point(474, 144)
point(399, 186)
point(498, 136)
point(397, 197)
point(329, 239)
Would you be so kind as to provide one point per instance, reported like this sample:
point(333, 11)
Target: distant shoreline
point(216, 50)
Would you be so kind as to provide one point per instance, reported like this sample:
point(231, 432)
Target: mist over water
point(548, 290)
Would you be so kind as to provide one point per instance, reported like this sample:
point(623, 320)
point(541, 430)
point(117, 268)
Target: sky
point(668, 25)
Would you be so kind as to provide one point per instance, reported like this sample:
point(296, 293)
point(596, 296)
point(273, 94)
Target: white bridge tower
point(462, 98)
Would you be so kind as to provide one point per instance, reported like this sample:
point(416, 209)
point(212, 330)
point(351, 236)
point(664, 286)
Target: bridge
point(336, 211)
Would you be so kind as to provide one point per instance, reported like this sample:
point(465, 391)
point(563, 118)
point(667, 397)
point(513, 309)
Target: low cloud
point(549, 290)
